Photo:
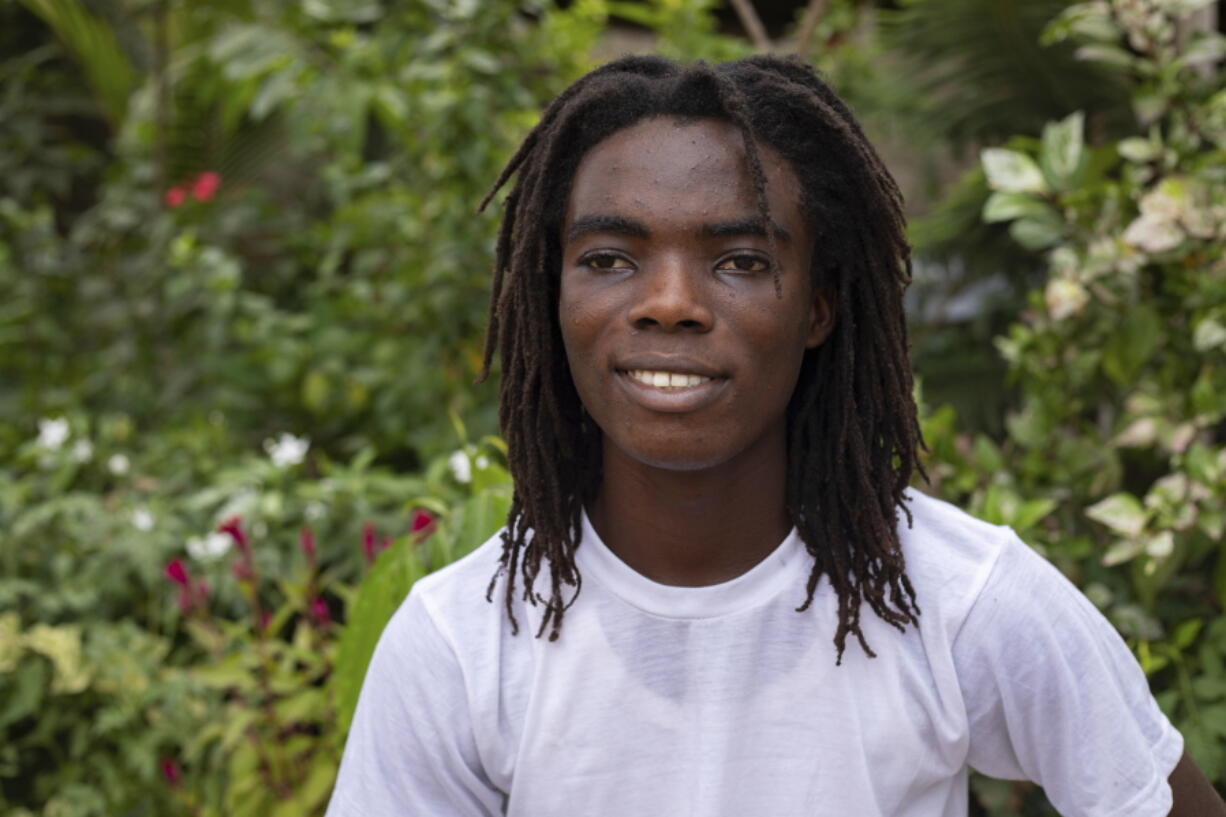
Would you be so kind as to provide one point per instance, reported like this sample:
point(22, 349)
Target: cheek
point(580, 328)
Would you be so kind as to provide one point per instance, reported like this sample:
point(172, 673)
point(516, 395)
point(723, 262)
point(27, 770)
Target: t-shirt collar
point(752, 588)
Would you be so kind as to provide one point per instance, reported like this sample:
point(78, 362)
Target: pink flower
point(177, 573)
point(174, 197)
point(170, 771)
point(320, 613)
point(233, 526)
point(205, 186)
point(306, 540)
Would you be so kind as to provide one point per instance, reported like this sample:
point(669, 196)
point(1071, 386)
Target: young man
point(715, 594)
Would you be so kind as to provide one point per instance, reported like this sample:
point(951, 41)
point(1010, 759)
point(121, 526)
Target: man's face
point(678, 345)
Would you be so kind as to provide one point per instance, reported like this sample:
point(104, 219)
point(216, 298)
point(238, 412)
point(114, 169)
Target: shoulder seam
point(984, 575)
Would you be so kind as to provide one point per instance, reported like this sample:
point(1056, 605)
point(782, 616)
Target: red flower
point(205, 186)
point(177, 573)
point(306, 541)
point(368, 542)
point(242, 570)
point(170, 771)
point(174, 197)
point(422, 523)
point(320, 613)
point(233, 526)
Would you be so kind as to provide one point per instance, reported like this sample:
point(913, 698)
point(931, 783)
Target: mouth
point(669, 391)
point(668, 381)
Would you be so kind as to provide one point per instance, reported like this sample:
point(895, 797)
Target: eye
point(604, 261)
point(744, 263)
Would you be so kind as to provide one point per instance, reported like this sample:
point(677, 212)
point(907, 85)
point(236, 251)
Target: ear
point(821, 319)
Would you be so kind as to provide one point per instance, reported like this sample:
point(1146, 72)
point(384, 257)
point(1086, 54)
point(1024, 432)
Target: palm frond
point(92, 43)
point(981, 65)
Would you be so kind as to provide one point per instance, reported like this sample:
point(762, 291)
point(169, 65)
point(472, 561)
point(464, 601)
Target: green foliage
point(335, 279)
point(1114, 465)
point(986, 75)
point(276, 237)
point(93, 43)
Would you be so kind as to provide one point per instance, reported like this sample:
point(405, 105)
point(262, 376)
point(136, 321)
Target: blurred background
point(242, 297)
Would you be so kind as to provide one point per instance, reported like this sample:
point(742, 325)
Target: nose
point(672, 298)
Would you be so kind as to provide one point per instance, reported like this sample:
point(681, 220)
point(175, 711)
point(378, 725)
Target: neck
point(694, 527)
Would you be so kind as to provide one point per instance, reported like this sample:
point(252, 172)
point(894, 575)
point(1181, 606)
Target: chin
point(674, 454)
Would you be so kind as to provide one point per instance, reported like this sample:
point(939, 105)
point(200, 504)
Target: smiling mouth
point(666, 380)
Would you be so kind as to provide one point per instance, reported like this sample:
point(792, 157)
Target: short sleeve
point(1053, 695)
point(411, 751)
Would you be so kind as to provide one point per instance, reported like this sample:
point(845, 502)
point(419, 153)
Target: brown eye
point(744, 263)
point(604, 261)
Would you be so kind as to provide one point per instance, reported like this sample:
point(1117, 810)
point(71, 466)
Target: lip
point(669, 363)
point(672, 400)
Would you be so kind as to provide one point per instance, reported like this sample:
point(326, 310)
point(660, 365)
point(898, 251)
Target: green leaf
point(381, 592)
point(1038, 233)
point(1132, 344)
point(1122, 513)
point(1002, 206)
point(23, 697)
point(1139, 150)
point(1123, 551)
point(93, 44)
point(1111, 55)
point(1063, 151)
point(1031, 512)
point(1209, 46)
point(1186, 633)
point(1209, 334)
point(1012, 172)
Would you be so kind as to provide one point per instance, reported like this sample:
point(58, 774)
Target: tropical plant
point(1114, 463)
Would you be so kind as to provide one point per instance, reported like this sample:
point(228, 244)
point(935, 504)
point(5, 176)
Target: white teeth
point(667, 380)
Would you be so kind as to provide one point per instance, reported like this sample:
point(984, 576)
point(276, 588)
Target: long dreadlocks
point(853, 434)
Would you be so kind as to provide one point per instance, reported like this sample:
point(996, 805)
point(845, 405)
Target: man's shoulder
point(456, 592)
point(949, 553)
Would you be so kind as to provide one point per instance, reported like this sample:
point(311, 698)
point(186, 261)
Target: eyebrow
point(748, 226)
point(620, 225)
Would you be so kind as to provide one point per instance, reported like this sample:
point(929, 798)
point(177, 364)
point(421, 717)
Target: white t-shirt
point(723, 700)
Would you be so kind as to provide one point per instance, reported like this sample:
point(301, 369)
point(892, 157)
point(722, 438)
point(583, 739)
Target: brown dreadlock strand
point(853, 433)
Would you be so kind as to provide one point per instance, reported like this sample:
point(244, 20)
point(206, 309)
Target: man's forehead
point(692, 170)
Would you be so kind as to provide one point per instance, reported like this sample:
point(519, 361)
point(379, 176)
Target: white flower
point(82, 450)
point(287, 449)
point(1065, 298)
point(52, 433)
point(118, 464)
point(209, 548)
point(315, 510)
point(483, 462)
point(142, 519)
point(461, 468)
point(1153, 233)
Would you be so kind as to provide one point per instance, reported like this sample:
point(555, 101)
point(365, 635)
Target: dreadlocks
point(853, 434)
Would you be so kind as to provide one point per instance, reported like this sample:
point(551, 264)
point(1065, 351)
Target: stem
point(753, 24)
point(161, 124)
point(814, 13)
